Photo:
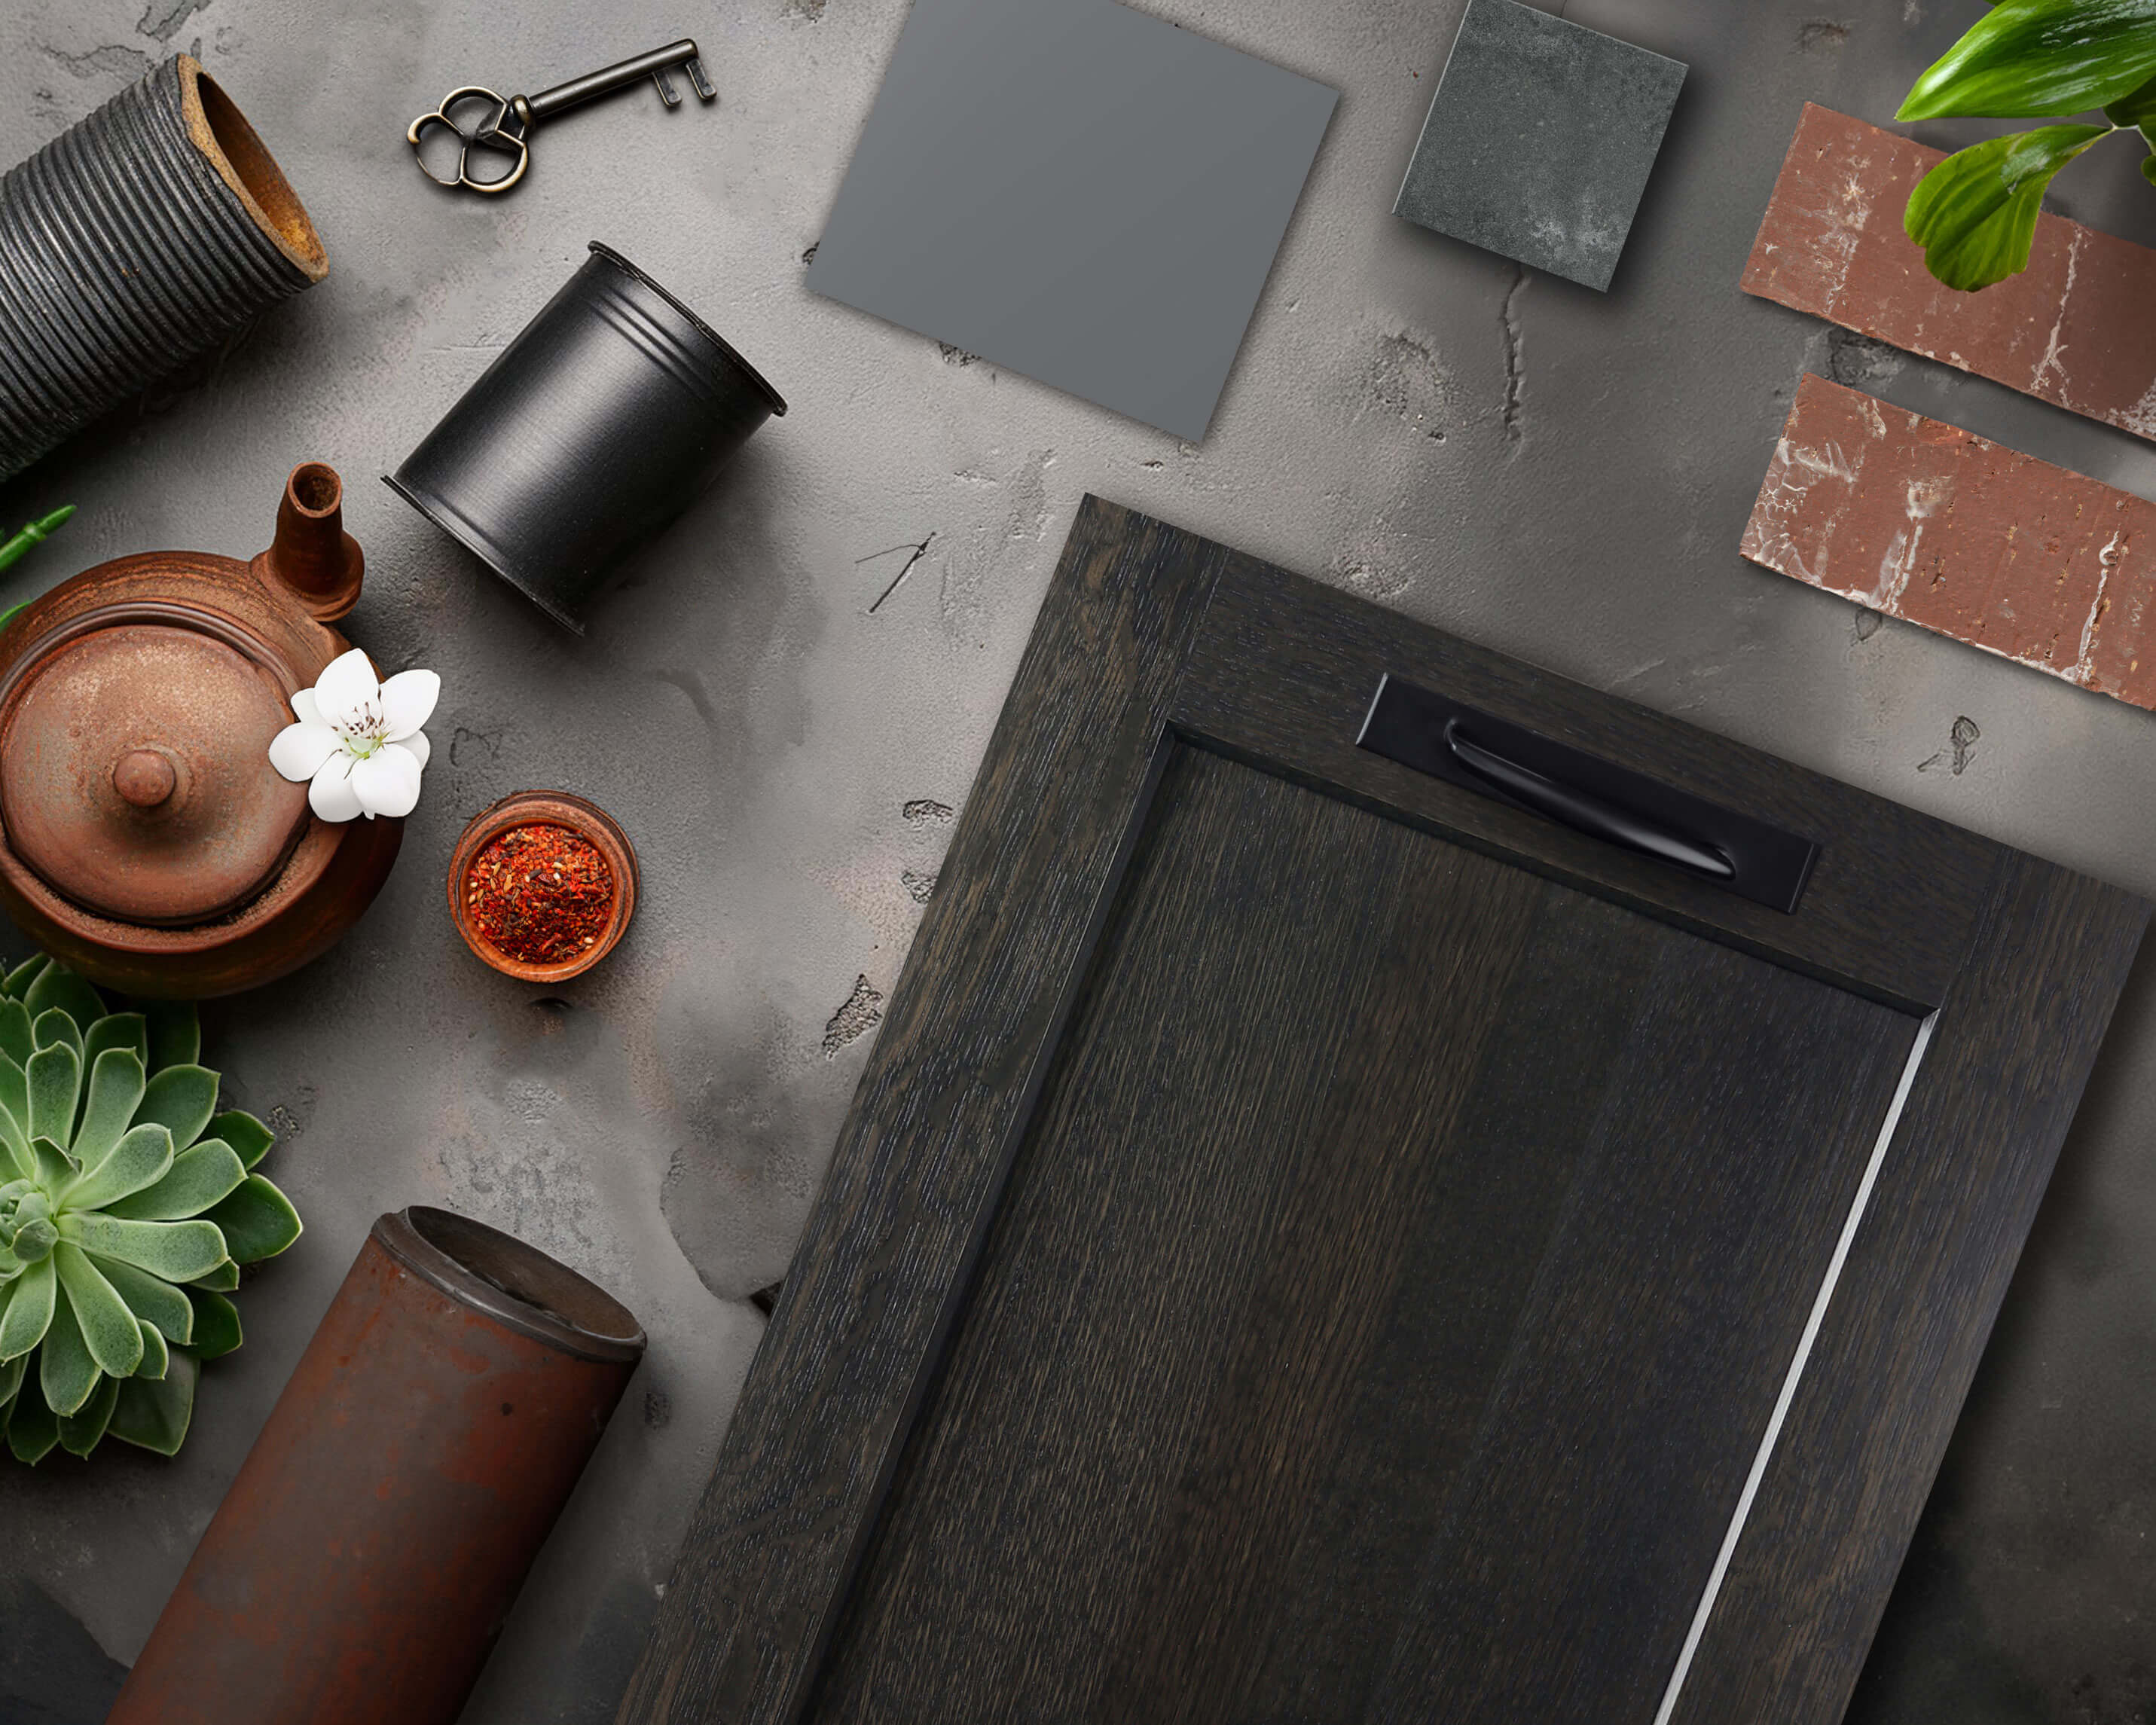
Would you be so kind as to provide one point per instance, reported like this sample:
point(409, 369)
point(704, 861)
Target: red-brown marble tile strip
point(1920, 520)
point(2077, 327)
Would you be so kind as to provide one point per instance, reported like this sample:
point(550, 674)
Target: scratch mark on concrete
point(162, 19)
point(111, 60)
point(1960, 749)
point(956, 355)
point(924, 812)
point(1515, 379)
point(1822, 35)
point(806, 11)
point(1868, 621)
point(919, 551)
point(460, 737)
point(919, 887)
point(862, 1012)
point(1860, 361)
point(810, 256)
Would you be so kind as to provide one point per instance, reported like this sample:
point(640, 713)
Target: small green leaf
point(2034, 59)
point(150, 1298)
point(109, 1329)
point(258, 1221)
point(182, 1098)
point(178, 1252)
point(15, 1040)
point(250, 1138)
point(15, 1158)
point(30, 1312)
point(19, 980)
point(156, 1356)
point(1975, 212)
point(55, 1028)
point(199, 1178)
point(56, 1168)
point(117, 1029)
point(33, 1428)
point(217, 1325)
point(59, 990)
point(66, 1372)
point(11, 1377)
point(223, 1280)
point(116, 1091)
point(55, 1081)
point(175, 1030)
point(141, 1159)
point(81, 1433)
point(153, 1414)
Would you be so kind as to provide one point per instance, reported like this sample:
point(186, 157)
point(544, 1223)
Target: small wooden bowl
point(557, 808)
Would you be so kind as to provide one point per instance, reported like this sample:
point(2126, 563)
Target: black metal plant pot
point(591, 431)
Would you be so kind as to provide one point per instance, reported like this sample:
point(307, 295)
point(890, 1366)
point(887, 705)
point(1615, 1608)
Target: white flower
point(357, 740)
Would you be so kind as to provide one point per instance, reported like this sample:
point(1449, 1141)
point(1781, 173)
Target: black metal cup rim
point(454, 524)
point(727, 349)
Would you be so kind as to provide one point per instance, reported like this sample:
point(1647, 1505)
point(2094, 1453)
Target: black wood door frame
point(1151, 638)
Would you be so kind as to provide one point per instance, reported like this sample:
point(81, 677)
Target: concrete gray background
point(1554, 472)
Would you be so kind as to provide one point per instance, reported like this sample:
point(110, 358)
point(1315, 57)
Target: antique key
point(504, 124)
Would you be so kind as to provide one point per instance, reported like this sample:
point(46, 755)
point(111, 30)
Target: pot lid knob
point(143, 777)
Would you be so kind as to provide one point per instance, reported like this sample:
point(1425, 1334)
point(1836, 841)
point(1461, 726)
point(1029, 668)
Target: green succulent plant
point(127, 1205)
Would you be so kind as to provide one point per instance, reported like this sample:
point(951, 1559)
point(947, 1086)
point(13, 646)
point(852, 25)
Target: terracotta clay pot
point(145, 839)
point(360, 1567)
point(559, 808)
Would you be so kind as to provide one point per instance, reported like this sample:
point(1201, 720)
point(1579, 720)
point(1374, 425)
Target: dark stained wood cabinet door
point(1319, 1241)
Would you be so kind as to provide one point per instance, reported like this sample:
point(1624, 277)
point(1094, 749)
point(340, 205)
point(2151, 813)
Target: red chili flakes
point(540, 894)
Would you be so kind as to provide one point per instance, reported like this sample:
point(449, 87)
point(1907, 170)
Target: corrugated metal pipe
point(132, 242)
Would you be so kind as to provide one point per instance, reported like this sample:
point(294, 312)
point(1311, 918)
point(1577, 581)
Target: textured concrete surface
point(1559, 473)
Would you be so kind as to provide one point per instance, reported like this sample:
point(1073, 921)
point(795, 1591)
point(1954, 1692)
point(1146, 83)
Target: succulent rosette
point(128, 1205)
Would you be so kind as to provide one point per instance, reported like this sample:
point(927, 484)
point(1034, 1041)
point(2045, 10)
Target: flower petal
point(422, 750)
point(388, 781)
point(300, 751)
point(347, 688)
point(407, 702)
point(304, 709)
point(331, 796)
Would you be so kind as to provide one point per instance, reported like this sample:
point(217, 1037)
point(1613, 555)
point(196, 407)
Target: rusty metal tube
point(144, 235)
point(361, 1566)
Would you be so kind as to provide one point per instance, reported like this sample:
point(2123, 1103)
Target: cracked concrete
point(790, 767)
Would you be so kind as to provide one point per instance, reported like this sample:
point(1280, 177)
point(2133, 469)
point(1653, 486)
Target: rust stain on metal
point(1922, 521)
point(2073, 329)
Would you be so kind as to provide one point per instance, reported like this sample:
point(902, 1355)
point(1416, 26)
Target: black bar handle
point(1584, 811)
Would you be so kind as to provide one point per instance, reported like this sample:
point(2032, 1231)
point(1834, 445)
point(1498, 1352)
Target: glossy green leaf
point(55, 1030)
point(33, 1428)
point(81, 1433)
point(142, 1158)
point(109, 1329)
point(2035, 59)
point(19, 980)
point(178, 1252)
point(175, 1031)
point(2135, 108)
point(29, 1314)
point(156, 1356)
point(217, 1325)
point(118, 1029)
point(182, 1099)
point(1975, 213)
point(11, 1377)
point(223, 1280)
point(199, 1178)
point(115, 1092)
point(66, 1371)
point(15, 1040)
point(55, 1081)
point(152, 1413)
point(250, 1138)
point(258, 1221)
point(150, 1298)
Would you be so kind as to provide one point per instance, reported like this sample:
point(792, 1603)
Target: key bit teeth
point(667, 93)
point(705, 90)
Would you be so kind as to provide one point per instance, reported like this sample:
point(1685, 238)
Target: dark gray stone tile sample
point(1077, 192)
point(51, 1671)
point(1540, 139)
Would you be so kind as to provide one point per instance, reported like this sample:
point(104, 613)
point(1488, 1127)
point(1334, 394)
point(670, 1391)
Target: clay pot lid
point(135, 774)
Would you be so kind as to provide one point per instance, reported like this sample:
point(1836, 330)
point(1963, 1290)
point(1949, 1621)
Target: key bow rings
point(494, 134)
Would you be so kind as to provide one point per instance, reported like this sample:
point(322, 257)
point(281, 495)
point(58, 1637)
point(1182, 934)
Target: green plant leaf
point(11, 1377)
point(178, 1252)
point(55, 1166)
point(258, 1221)
point(217, 1325)
point(30, 1312)
point(141, 1159)
point(156, 1356)
point(55, 1081)
point(16, 1041)
point(55, 1028)
point(16, 1161)
point(1975, 213)
point(33, 1428)
point(59, 990)
point(81, 1433)
point(250, 1138)
point(2034, 59)
point(152, 1413)
point(150, 1298)
point(175, 1030)
point(67, 1372)
point(115, 1092)
point(2135, 108)
point(199, 1178)
point(19, 980)
point(109, 1329)
point(117, 1030)
point(182, 1099)
point(223, 1280)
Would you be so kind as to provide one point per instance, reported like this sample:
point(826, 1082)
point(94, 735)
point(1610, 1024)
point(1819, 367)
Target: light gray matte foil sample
point(1077, 192)
point(1540, 139)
